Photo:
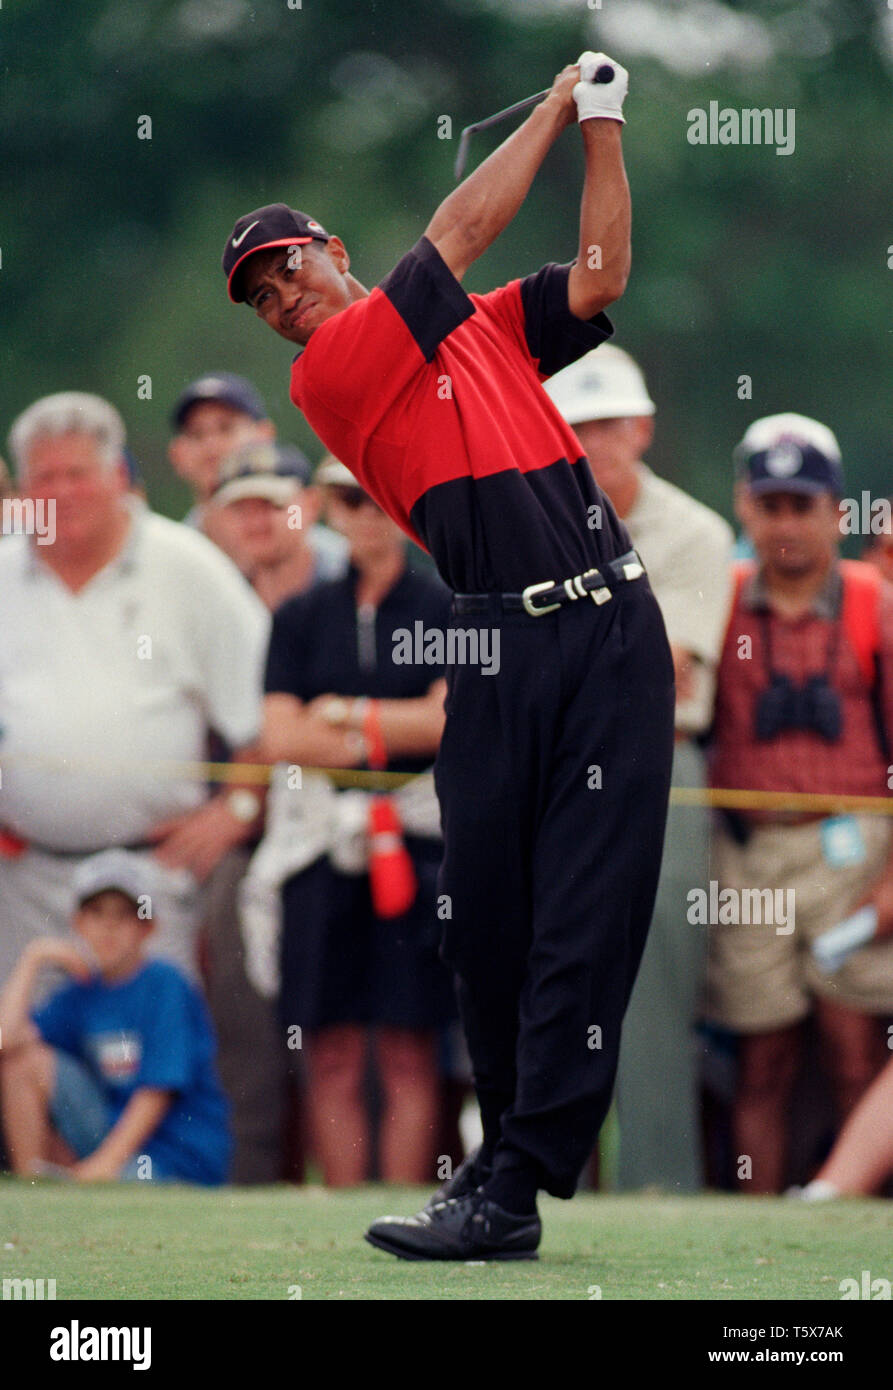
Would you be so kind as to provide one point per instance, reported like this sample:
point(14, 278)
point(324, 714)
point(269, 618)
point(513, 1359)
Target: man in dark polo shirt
point(553, 772)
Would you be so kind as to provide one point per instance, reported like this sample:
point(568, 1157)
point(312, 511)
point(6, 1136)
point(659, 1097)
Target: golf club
point(604, 74)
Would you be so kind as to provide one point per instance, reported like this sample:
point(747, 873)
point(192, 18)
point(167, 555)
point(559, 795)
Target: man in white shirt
point(687, 550)
point(123, 644)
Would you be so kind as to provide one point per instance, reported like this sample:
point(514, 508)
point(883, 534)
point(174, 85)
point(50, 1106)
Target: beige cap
point(334, 472)
point(266, 469)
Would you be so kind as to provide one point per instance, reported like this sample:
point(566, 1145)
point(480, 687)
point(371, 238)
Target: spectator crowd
point(219, 835)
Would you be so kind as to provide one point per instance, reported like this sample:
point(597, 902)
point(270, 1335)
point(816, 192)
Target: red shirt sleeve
point(359, 362)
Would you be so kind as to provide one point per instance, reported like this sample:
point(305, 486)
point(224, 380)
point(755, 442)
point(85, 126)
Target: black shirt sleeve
point(285, 673)
point(427, 296)
point(555, 336)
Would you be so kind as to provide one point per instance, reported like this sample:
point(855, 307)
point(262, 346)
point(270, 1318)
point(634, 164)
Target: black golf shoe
point(461, 1228)
point(468, 1177)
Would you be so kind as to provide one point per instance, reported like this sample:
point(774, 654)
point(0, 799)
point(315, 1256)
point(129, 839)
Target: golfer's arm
point(471, 218)
point(601, 270)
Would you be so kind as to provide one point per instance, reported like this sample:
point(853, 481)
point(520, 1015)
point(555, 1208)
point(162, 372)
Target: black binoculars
point(813, 705)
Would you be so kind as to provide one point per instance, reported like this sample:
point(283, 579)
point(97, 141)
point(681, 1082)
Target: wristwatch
point(244, 805)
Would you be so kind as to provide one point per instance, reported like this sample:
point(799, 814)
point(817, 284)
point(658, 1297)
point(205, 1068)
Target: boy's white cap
point(606, 384)
point(117, 869)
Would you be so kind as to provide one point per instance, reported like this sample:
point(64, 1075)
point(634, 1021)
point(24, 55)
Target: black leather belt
point(538, 599)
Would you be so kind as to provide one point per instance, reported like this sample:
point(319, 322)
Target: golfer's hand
point(562, 93)
point(600, 100)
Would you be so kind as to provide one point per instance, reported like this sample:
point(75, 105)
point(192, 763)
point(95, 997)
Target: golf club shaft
point(465, 137)
point(604, 74)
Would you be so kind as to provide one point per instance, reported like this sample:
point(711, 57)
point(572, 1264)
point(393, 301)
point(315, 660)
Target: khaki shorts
point(759, 979)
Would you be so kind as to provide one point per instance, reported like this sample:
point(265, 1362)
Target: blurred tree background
point(746, 263)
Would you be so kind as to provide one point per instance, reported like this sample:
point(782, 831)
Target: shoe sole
point(403, 1254)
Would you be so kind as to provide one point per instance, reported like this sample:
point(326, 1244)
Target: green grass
point(134, 1242)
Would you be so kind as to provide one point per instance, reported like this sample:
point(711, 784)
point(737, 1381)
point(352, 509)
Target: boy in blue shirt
point(118, 1064)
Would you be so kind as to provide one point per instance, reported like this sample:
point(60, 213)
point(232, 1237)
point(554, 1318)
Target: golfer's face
point(295, 289)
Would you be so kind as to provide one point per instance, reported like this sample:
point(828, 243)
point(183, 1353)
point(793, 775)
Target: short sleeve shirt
point(323, 644)
point(151, 1030)
point(433, 398)
point(165, 643)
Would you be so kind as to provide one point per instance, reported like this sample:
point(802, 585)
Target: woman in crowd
point(360, 933)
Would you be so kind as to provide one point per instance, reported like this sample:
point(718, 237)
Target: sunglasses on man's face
point(352, 497)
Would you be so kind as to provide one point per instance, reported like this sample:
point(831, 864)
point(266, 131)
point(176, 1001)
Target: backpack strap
point(861, 613)
point(861, 619)
point(741, 572)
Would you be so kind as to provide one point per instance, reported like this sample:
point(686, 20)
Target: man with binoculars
point(804, 705)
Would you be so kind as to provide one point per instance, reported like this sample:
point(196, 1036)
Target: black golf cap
point(225, 387)
point(274, 225)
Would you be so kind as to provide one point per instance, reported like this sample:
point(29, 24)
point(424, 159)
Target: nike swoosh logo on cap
point(237, 240)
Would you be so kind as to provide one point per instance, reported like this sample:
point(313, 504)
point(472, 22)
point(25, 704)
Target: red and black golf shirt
point(432, 398)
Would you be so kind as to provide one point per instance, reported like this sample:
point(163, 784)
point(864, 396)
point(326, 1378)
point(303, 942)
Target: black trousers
point(553, 777)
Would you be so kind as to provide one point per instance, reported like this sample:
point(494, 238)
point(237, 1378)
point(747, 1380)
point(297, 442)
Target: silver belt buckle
point(538, 589)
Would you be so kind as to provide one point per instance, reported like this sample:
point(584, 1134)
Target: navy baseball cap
point(274, 225)
point(225, 387)
point(276, 472)
point(790, 453)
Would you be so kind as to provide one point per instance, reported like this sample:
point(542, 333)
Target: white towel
point(303, 823)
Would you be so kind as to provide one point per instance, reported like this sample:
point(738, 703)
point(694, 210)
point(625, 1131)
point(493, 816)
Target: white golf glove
point(600, 99)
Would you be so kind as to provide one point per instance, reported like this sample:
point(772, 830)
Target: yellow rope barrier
point(825, 803)
point(258, 774)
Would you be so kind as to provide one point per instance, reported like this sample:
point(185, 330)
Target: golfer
point(553, 773)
